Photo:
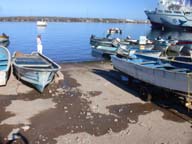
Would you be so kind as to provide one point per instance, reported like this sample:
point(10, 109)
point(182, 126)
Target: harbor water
point(69, 42)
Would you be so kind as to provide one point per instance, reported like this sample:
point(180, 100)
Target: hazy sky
point(130, 9)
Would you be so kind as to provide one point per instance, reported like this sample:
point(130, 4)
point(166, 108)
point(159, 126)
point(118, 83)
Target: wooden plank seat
point(180, 70)
point(3, 59)
point(32, 62)
point(148, 62)
point(3, 63)
point(162, 66)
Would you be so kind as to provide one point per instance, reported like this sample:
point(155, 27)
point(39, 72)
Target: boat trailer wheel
point(145, 93)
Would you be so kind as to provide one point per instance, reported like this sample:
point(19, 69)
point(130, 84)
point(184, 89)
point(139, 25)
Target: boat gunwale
point(40, 69)
point(8, 59)
point(169, 59)
point(153, 68)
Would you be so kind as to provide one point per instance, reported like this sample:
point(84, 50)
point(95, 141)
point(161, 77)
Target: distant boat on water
point(171, 14)
point(42, 23)
point(35, 69)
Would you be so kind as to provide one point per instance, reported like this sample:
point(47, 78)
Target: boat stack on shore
point(164, 64)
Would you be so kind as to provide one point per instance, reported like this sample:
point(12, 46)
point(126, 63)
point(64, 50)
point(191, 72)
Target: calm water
point(69, 42)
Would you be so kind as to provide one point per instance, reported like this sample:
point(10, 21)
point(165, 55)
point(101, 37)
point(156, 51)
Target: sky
point(126, 9)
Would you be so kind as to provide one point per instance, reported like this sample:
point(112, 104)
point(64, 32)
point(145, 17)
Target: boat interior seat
point(35, 65)
point(3, 59)
point(166, 65)
point(31, 62)
point(3, 63)
point(148, 62)
point(180, 70)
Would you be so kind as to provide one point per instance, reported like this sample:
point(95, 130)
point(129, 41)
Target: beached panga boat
point(35, 69)
point(5, 63)
point(161, 73)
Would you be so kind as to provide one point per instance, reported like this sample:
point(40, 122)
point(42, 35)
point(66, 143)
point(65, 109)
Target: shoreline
point(70, 19)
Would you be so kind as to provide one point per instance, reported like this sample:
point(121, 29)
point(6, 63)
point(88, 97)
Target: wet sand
point(92, 105)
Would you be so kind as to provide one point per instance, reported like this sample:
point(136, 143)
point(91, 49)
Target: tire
point(145, 94)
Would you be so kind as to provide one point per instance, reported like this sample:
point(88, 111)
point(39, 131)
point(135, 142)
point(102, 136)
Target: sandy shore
point(92, 105)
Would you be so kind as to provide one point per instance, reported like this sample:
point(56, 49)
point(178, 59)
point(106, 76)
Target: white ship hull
point(171, 20)
point(171, 14)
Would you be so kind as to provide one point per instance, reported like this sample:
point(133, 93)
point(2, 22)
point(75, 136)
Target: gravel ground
point(91, 105)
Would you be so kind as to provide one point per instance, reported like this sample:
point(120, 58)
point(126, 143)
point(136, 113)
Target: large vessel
point(171, 14)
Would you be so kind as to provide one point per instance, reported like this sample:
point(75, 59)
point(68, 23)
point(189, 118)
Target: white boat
point(41, 23)
point(171, 14)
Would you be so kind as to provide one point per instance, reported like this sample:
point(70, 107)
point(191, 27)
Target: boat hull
point(39, 79)
point(42, 23)
point(105, 50)
point(100, 42)
point(176, 81)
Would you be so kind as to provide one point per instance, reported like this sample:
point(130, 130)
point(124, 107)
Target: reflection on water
point(41, 29)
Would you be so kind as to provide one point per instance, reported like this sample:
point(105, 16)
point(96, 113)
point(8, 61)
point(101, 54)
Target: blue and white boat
point(174, 76)
point(5, 63)
point(96, 41)
point(103, 51)
point(107, 40)
point(35, 69)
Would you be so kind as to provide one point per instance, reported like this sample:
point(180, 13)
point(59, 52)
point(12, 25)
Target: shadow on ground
point(165, 101)
point(74, 115)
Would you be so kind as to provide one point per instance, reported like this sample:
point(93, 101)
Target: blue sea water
point(69, 42)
